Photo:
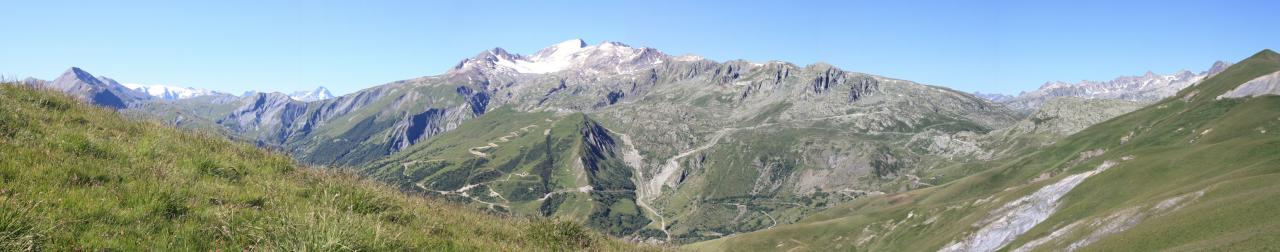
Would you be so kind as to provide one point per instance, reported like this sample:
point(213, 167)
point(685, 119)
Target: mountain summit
point(573, 54)
point(320, 93)
point(97, 90)
point(170, 93)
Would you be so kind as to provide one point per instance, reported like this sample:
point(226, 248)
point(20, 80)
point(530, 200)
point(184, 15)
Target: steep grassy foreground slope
point(1191, 172)
point(77, 177)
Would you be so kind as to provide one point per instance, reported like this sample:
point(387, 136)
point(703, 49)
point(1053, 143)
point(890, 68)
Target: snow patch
point(169, 93)
point(320, 93)
point(687, 58)
point(575, 53)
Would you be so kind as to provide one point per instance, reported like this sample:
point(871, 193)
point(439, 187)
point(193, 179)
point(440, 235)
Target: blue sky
point(988, 46)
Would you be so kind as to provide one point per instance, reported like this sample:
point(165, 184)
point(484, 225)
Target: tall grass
point(78, 177)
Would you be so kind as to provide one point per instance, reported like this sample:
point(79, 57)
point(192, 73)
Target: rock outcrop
point(270, 115)
point(1264, 85)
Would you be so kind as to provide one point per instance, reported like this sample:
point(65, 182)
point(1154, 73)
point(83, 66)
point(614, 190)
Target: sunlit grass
point(78, 177)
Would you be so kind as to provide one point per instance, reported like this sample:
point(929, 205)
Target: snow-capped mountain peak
point(320, 93)
point(570, 54)
point(560, 50)
point(169, 93)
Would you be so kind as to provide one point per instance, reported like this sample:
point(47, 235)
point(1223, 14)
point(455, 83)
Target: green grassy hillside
point(540, 164)
point(1191, 172)
point(77, 177)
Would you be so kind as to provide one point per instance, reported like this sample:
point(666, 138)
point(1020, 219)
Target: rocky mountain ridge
point(574, 54)
point(99, 90)
point(1177, 174)
point(320, 93)
point(684, 149)
point(655, 148)
point(1147, 88)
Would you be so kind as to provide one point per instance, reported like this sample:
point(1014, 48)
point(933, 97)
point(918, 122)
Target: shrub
point(79, 146)
point(83, 176)
point(170, 206)
point(558, 235)
point(213, 168)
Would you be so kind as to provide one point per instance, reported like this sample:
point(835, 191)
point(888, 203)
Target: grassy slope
point(748, 179)
point(533, 154)
point(75, 177)
point(1227, 149)
point(733, 173)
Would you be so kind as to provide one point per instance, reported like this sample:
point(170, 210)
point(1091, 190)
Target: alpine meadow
point(716, 126)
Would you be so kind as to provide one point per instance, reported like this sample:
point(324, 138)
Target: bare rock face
point(100, 91)
point(1218, 67)
point(477, 100)
point(1067, 115)
point(1016, 217)
point(272, 115)
point(1264, 85)
point(416, 127)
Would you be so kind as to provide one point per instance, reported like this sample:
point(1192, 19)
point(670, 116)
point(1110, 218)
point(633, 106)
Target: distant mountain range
point(571, 54)
point(679, 149)
point(994, 97)
point(1192, 172)
point(613, 135)
point(110, 93)
point(1149, 87)
point(170, 93)
point(320, 93)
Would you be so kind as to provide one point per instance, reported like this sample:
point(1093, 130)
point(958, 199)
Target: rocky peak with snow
point(169, 93)
point(320, 93)
point(1148, 87)
point(574, 54)
point(559, 50)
